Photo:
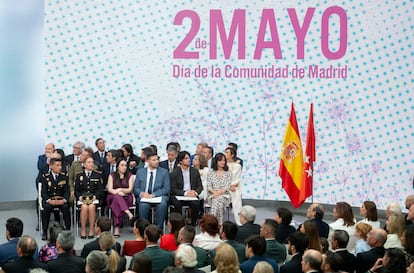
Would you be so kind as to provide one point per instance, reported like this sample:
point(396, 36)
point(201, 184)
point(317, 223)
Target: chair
point(76, 215)
point(132, 208)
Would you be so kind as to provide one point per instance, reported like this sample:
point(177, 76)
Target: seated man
point(228, 233)
point(171, 162)
point(274, 249)
point(339, 241)
point(152, 182)
point(248, 227)
point(55, 194)
point(186, 181)
point(255, 250)
point(311, 261)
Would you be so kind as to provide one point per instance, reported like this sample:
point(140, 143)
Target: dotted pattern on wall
point(109, 74)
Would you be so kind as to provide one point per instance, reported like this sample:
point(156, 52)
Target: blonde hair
point(106, 243)
point(396, 224)
point(363, 229)
point(263, 267)
point(226, 259)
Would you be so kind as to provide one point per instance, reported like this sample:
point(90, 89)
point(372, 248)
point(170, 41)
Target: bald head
point(409, 201)
point(26, 246)
point(311, 260)
point(376, 237)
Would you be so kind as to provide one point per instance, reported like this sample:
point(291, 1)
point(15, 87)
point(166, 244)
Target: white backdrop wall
point(110, 72)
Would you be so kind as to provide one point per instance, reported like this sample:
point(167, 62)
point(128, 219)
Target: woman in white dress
point(395, 227)
point(235, 186)
point(344, 221)
point(368, 210)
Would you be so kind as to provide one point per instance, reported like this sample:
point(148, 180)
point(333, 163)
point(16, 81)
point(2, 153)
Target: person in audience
point(311, 261)
point(131, 159)
point(248, 227)
point(185, 181)
point(175, 222)
point(66, 262)
point(283, 217)
point(142, 264)
point(226, 260)
point(112, 157)
point(26, 247)
point(228, 232)
point(100, 154)
point(235, 185)
point(186, 237)
point(77, 167)
point(55, 194)
point(325, 245)
point(199, 150)
point(78, 148)
point(395, 227)
point(263, 267)
point(235, 147)
point(365, 260)
point(368, 210)
point(409, 202)
point(120, 199)
point(393, 208)
point(130, 247)
point(171, 162)
point(49, 251)
point(43, 160)
point(218, 186)
point(97, 262)
point(392, 262)
point(410, 216)
point(208, 153)
point(297, 244)
point(200, 163)
point(255, 250)
point(209, 237)
point(274, 249)
point(116, 263)
point(311, 231)
point(102, 224)
point(361, 231)
point(407, 240)
point(152, 182)
point(186, 259)
point(160, 258)
point(331, 262)
point(344, 221)
point(89, 193)
point(315, 213)
point(339, 241)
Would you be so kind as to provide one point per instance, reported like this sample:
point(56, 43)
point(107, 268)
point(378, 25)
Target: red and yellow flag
point(291, 161)
point(310, 157)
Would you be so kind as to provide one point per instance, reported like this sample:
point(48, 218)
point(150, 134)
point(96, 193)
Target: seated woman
point(218, 186)
point(119, 199)
point(310, 229)
point(226, 260)
point(49, 251)
point(395, 227)
point(169, 241)
point(131, 247)
point(283, 217)
point(209, 237)
point(368, 210)
point(361, 232)
point(89, 193)
point(117, 263)
point(344, 221)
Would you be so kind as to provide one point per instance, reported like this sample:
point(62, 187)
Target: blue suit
point(248, 265)
point(161, 187)
point(8, 251)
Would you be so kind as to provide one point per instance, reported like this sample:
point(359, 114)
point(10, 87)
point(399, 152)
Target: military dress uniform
point(55, 188)
point(89, 184)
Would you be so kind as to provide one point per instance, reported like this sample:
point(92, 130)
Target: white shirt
point(154, 173)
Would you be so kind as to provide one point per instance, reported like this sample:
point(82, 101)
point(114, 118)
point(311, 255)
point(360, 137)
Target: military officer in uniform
point(55, 194)
point(89, 194)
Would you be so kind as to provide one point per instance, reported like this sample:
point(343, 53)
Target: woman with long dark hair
point(392, 262)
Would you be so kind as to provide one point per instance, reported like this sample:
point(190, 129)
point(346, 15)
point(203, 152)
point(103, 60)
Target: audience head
point(185, 256)
point(54, 229)
point(393, 208)
point(331, 262)
point(97, 262)
point(376, 237)
point(311, 260)
point(26, 246)
point(311, 231)
point(255, 246)
point(410, 268)
point(263, 267)
point(369, 211)
point(153, 160)
point(65, 241)
point(209, 224)
point(140, 225)
point(186, 234)
point(103, 223)
point(181, 156)
point(247, 214)
point(344, 210)
point(409, 201)
point(230, 154)
point(112, 156)
point(315, 211)
point(14, 228)
point(226, 259)
point(410, 214)
point(142, 263)
point(56, 165)
point(297, 242)
point(395, 224)
point(152, 234)
point(127, 150)
point(324, 244)
point(200, 146)
point(200, 161)
point(106, 244)
point(208, 152)
point(233, 146)
point(220, 161)
point(268, 228)
point(407, 240)
point(175, 222)
point(283, 216)
point(78, 147)
point(362, 229)
point(229, 231)
point(340, 239)
point(394, 261)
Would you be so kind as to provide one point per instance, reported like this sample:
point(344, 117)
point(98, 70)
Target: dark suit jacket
point(67, 263)
point(160, 258)
point(323, 227)
point(246, 230)
point(161, 187)
point(348, 260)
point(293, 266)
point(23, 264)
point(97, 158)
point(164, 164)
point(248, 265)
point(240, 250)
point(94, 245)
point(283, 232)
point(366, 260)
point(8, 251)
point(41, 162)
point(70, 158)
point(177, 181)
point(275, 251)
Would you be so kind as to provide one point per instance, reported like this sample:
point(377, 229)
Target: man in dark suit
point(255, 250)
point(171, 162)
point(66, 262)
point(186, 181)
point(315, 213)
point(42, 159)
point(311, 261)
point(149, 183)
point(331, 262)
point(208, 152)
point(274, 249)
point(100, 155)
point(375, 239)
point(102, 224)
point(78, 147)
point(55, 194)
point(161, 259)
point(297, 244)
point(186, 237)
point(339, 241)
point(228, 233)
point(26, 247)
point(248, 227)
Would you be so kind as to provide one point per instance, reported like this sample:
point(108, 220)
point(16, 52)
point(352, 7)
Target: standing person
point(235, 147)
point(368, 210)
point(100, 155)
point(131, 159)
point(235, 185)
point(89, 193)
point(55, 194)
point(119, 199)
point(218, 185)
point(185, 181)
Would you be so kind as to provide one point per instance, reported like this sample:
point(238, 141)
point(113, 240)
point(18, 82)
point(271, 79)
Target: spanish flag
point(291, 161)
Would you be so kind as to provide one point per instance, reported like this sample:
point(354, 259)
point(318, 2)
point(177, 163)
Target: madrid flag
point(291, 161)
point(310, 157)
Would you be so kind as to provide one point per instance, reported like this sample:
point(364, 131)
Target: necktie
point(102, 157)
point(171, 167)
point(150, 183)
point(112, 168)
point(88, 174)
point(55, 177)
